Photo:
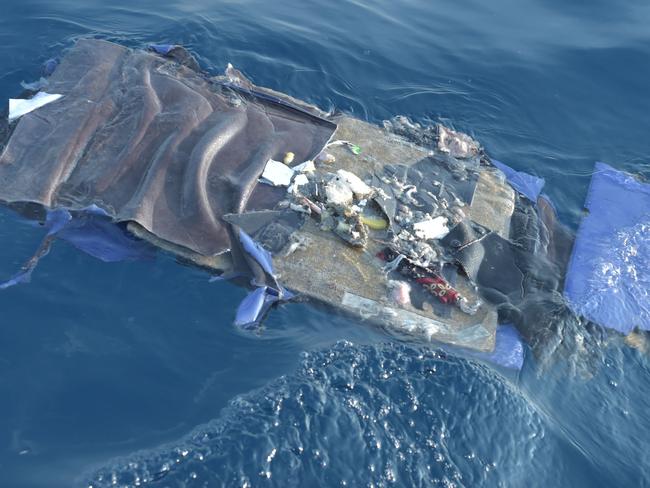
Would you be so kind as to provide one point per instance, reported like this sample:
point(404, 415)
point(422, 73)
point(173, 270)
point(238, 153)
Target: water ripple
point(361, 416)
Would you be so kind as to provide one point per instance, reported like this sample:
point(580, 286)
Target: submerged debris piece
point(237, 78)
point(34, 86)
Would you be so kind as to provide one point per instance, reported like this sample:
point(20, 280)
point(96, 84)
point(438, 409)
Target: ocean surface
point(133, 375)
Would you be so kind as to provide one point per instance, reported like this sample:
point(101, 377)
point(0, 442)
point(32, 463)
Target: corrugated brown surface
point(151, 142)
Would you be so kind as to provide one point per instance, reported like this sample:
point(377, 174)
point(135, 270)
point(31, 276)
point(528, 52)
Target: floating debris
point(306, 167)
point(297, 242)
point(374, 223)
point(358, 187)
point(326, 158)
point(456, 144)
point(338, 192)
point(288, 158)
point(354, 149)
point(429, 278)
point(277, 174)
point(435, 228)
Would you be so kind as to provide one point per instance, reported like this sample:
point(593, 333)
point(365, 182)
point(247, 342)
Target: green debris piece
point(356, 150)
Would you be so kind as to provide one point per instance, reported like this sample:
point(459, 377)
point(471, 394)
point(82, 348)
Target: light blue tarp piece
point(608, 278)
point(528, 185)
point(508, 350)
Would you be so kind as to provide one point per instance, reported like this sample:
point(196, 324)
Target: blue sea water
point(132, 374)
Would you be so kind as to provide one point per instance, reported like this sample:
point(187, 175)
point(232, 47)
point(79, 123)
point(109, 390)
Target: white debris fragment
point(19, 107)
point(338, 192)
point(435, 228)
point(277, 173)
point(358, 187)
point(306, 167)
point(299, 180)
point(456, 144)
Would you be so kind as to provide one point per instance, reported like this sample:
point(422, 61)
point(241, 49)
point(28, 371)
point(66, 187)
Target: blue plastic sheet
point(608, 278)
point(528, 185)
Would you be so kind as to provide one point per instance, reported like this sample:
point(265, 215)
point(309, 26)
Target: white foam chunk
point(277, 173)
point(435, 228)
point(19, 107)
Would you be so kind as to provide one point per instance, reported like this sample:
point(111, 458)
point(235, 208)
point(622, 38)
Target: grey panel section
point(153, 142)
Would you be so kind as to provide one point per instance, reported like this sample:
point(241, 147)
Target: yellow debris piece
point(374, 223)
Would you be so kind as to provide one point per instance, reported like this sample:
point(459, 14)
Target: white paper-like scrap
point(298, 181)
point(277, 173)
point(306, 167)
point(435, 228)
point(19, 107)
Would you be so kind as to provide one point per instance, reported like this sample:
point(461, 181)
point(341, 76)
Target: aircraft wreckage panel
point(178, 156)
